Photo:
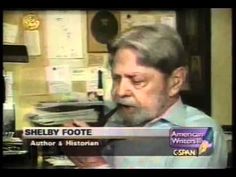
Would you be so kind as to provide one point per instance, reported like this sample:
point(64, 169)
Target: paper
point(58, 115)
point(43, 105)
point(96, 59)
point(59, 80)
point(79, 74)
point(137, 18)
point(9, 33)
point(168, 20)
point(72, 62)
point(9, 106)
point(64, 34)
point(8, 77)
point(58, 73)
point(32, 41)
point(144, 20)
point(59, 87)
point(8, 84)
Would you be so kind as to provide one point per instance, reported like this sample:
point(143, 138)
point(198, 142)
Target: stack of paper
point(56, 114)
point(45, 105)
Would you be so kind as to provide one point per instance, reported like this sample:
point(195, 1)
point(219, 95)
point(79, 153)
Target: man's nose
point(123, 89)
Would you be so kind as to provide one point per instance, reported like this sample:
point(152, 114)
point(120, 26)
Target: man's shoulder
point(196, 117)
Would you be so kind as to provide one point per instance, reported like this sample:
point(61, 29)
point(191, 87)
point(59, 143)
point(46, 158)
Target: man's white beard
point(135, 119)
point(140, 116)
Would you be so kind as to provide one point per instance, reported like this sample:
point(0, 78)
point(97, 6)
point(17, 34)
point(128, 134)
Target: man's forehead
point(135, 71)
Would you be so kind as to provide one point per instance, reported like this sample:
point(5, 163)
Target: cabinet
point(194, 28)
point(15, 154)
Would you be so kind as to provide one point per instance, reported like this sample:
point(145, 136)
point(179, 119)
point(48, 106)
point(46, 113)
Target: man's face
point(140, 91)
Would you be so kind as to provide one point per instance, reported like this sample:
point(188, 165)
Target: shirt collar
point(175, 114)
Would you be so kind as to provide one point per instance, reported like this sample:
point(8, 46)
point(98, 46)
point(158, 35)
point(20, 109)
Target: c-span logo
point(191, 141)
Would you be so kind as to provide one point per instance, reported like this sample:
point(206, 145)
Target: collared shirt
point(178, 115)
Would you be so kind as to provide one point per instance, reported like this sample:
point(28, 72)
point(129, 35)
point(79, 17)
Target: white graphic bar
point(92, 132)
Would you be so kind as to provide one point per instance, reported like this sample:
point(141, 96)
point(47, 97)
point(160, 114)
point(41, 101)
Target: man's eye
point(138, 82)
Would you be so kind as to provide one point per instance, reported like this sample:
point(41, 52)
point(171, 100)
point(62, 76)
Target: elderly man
point(148, 71)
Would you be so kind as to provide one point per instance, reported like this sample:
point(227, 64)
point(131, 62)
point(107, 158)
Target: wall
point(30, 85)
point(221, 65)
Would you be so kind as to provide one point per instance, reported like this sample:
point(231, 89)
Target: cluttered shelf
point(57, 113)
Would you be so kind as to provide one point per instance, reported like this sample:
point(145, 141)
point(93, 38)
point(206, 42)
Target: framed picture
point(103, 26)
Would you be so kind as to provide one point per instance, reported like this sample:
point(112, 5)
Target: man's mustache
point(125, 102)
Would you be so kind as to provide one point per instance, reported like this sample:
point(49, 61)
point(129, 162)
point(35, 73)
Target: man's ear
point(176, 81)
